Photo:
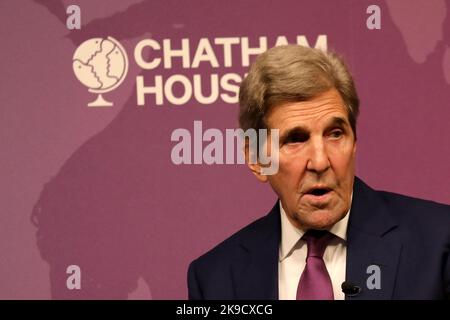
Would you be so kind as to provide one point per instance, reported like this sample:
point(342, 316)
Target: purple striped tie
point(315, 282)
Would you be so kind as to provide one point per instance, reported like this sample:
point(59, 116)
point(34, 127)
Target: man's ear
point(252, 162)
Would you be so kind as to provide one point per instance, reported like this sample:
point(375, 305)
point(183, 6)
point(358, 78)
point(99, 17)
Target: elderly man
point(330, 236)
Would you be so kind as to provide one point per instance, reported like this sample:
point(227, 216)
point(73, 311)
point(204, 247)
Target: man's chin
point(319, 219)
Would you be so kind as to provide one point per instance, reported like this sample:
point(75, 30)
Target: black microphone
point(350, 289)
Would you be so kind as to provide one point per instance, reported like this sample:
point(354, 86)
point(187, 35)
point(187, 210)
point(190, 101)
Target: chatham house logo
point(101, 65)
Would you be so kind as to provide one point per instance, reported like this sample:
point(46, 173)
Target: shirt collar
point(290, 235)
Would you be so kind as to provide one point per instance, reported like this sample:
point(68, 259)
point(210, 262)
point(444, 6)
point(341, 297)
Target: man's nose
point(318, 160)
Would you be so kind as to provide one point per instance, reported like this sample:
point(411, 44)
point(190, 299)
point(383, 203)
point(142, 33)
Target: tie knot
point(317, 241)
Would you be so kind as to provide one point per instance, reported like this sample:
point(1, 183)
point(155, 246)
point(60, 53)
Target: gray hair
point(293, 73)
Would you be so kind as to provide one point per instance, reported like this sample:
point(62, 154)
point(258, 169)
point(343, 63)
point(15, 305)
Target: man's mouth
point(318, 192)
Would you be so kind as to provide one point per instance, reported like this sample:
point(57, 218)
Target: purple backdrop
point(96, 187)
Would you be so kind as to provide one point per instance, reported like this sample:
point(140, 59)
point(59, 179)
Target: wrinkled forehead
point(322, 111)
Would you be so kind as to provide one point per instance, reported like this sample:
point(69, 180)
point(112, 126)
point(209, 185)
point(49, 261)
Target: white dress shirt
point(293, 251)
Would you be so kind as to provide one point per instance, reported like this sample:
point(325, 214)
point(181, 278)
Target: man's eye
point(297, 138)
point(336, 134)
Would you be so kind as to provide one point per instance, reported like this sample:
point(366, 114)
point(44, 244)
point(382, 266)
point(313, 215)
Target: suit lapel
point(373, 245)
point(257, 277)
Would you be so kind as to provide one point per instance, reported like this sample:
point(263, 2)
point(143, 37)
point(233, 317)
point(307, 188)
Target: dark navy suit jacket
point(408, 238)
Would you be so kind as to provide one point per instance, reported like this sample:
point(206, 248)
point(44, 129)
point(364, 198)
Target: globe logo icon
point(101, 65)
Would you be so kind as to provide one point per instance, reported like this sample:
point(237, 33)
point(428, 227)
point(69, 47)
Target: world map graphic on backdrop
point(421, 39)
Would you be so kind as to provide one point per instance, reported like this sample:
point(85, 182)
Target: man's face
point(316, 160)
